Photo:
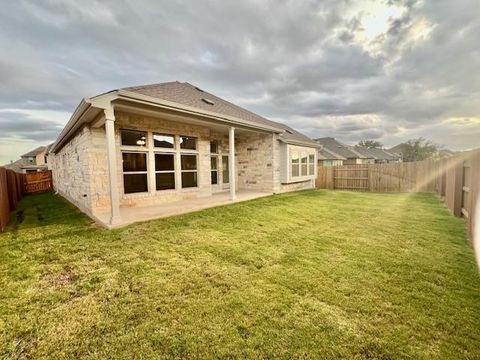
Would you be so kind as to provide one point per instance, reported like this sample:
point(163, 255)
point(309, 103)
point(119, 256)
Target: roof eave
point(170, 105)
point(82, 107)
point(300, 143)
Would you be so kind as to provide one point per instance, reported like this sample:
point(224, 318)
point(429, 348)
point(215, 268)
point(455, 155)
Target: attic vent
point(209, 102)
point(198, 89)
point(288, 131)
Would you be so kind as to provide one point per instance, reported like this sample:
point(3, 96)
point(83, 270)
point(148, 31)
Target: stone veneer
point(80, 170)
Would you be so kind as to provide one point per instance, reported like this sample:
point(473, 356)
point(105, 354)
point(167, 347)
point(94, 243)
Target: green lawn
point(314, 274)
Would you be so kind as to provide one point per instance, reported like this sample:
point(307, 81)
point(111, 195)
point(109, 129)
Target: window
point(214, 147)
point(295, 165)
point(188, 143)
point(133, 138)
point(165, 171)
point(311, 164)
point(134, 172)
point(214, 162)
point(225, 170)
point(304, 162)
point(189, 170)
point(164, 141)
point(214, 169)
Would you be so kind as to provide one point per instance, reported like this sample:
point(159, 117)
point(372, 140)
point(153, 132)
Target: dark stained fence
point(13, 186)
point(456, 180)
point(11, 191)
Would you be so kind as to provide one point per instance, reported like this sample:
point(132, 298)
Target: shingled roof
point(339, 148)
point(35, 152)
point(189, 95)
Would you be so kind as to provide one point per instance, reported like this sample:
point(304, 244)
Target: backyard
point(313, 274)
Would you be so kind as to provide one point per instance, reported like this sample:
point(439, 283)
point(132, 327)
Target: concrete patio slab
point(145, 213)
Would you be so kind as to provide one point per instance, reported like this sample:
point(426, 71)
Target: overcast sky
point(385, 70)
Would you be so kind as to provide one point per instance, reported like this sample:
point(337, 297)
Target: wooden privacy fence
point(456, 180)
point(11, 191)
point(397, 177)
point(13, 186)
point(37, 182)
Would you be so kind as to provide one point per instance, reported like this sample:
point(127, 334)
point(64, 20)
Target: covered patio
point(130, 215)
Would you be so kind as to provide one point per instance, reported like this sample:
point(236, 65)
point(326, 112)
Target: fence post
point(454, 189)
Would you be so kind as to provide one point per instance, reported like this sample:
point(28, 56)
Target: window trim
point(165, 171)
point(214, 156)
point(164, 149)
point(126, 173)
point(187, 150)
point(300, 152)
point(182, 153)
point(138, 147)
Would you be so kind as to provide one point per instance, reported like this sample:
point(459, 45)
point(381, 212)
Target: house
point(349, 153)
point(380, 156)
point(33, 161)
point(329, 158)
point(155, 150)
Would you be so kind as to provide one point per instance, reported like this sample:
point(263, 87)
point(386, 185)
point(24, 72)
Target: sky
point(386, 70)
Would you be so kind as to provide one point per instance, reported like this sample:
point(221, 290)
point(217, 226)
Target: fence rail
point(456, 180)
point(13, 186)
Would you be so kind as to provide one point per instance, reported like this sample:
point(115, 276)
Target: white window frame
point(163, 149)
point(188, 152)
point(303, 168)
point(214, 155)
point(128, 151)
point(172, 153)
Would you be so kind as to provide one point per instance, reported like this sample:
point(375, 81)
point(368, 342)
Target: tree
point(418, 150)
point(370, 144)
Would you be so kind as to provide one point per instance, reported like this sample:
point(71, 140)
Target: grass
point(314, 274)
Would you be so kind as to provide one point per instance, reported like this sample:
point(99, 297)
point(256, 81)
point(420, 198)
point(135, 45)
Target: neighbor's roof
point(190, 95)
point(364, 151)
point(17, 165)
point(339, 148)
point(379, 154)
point(324, 154)
point(35, 152)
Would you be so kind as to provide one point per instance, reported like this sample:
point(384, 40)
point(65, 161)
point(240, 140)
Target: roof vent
point(198, 89)
point(288, 131)
point(209, 102)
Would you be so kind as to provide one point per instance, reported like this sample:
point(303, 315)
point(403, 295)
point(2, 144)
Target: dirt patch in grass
point(59, 280)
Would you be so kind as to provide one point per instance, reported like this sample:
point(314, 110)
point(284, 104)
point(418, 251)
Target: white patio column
point(231, 163)
point(112, 167)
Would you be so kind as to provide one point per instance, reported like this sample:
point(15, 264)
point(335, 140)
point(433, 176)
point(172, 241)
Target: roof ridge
point(148, 85)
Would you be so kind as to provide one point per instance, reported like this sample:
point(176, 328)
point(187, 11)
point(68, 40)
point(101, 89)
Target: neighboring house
point(379, 156)
point(348, 152)
point(397, 151)
point(33, 161)
point(153, 145)
point(329, 158)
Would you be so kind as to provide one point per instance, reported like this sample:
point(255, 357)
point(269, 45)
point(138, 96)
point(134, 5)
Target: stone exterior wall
point(296, 186)
point(71, 170)
point(255, 162)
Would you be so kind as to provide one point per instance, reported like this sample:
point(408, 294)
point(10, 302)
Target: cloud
point(387, 70)
point(21, 125)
